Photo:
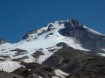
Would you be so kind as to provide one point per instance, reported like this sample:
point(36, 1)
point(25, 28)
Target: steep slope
point(87, 37)
point(40, 45)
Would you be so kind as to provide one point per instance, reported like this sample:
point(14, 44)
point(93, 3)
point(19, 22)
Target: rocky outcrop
point(33, 76)
point(37, 54)
point(9, 75)
point(29, 34)
point(2, 41)
point(34, 70)
point(50, 27)
point(88, 39)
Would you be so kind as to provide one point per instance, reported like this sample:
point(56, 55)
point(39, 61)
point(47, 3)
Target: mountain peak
point(56, 44)
point(74, 22)
point(70, 27)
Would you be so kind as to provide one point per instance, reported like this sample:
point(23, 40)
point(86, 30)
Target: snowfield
point(9, 66)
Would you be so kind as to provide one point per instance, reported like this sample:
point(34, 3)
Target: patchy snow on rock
point(73, 43)
point(44, 57)
point(60, 73)
point(29, 60)
point(102, 54)
point(103, 49)
point(44, 41)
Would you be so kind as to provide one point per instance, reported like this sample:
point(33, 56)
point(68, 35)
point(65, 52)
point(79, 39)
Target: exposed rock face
point(8, 75)
point(78, 64)
point(89, 40)
point(75, 29)
point(54, 60)
point(29, 34)
point(34, 70)
point(2, 41)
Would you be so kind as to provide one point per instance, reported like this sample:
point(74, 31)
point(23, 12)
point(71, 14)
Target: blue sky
point(20, 16)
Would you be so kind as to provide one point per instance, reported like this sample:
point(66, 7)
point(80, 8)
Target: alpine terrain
point(62, 49)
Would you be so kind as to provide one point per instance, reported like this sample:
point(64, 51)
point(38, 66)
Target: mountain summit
point(54, 45)
point(88, 38)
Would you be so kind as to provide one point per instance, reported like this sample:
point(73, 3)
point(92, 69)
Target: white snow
point(60, 73)
point(40, 77)
point(103, 49)
point(93, 31)
point(73, 43)
point(102, 54)
point(9, 66)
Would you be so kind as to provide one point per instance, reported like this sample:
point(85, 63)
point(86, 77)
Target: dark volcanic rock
point(50, 27)
point(89, 40)
point(37, 54)
point(77, 63)
point(19, 51)
point(34, 70)
point(54, 60)
point(33, 76)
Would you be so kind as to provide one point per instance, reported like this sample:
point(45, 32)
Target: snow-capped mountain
point(40, 45)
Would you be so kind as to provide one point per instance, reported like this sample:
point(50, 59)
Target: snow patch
point(102, 54)
point(9, 66)
point(44, 57)
point(60, 73)
point(93, 31)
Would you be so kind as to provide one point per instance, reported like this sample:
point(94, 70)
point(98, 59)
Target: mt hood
point(40, 46)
